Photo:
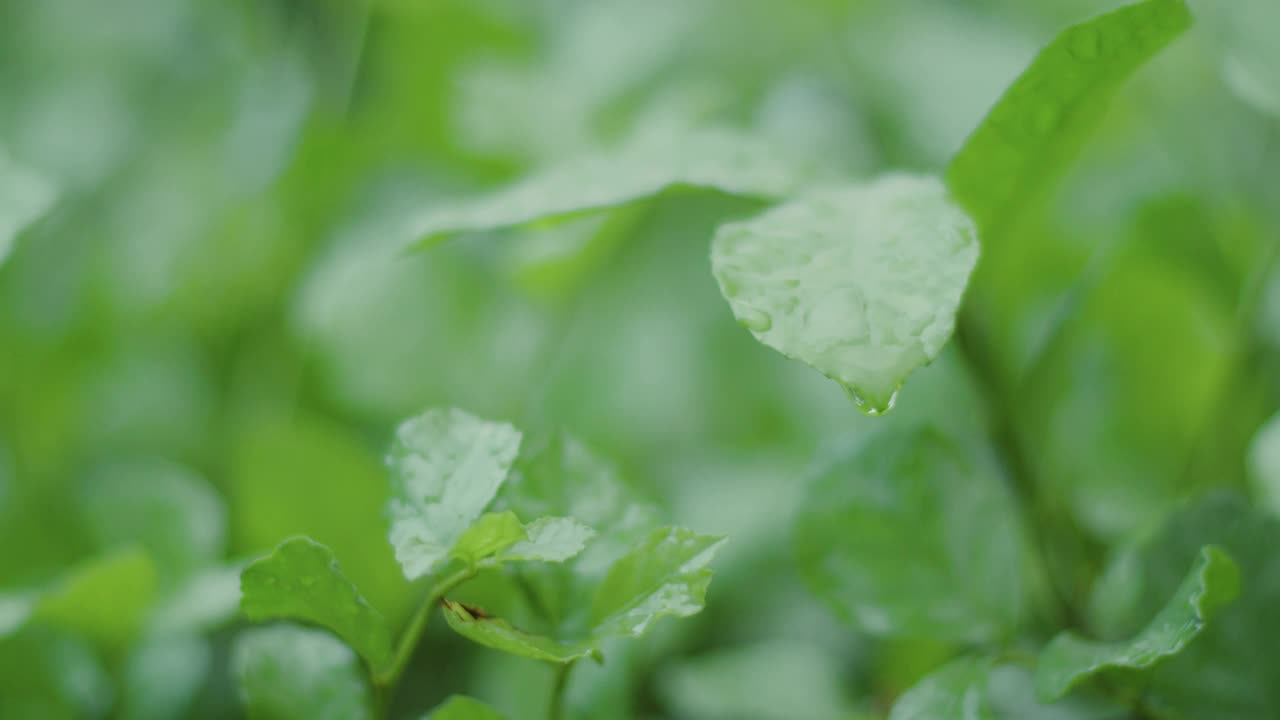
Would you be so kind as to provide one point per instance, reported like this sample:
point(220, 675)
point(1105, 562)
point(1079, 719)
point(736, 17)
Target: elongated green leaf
point(1228, 671)
point(301, 580)
point(24, 197)
point(553, 539)
point(647, 166)
point(1069, 659)
point(291, 673)
point(446, 466)
point(460, 707)
point(914, 535)
point(492, 533)
point(667, 574)
point(1041, 121)
point(862, 282)
point(972, 688)
point(104, 600)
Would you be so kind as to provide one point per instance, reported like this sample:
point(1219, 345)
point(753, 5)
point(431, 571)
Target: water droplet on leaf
point(866, 406)
point(755, 320)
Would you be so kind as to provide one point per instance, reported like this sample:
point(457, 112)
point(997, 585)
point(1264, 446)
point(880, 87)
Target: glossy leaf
point(447, 466)
point(1041, 121)
point(552, 539)
point(477, 626)
point(914, 535)
point(647, 166)
point(24, 196)
point(1070, 659)
point(862, 282)
point(301, 580)
point(287, 672)
point(491, 534)
point(460, 707)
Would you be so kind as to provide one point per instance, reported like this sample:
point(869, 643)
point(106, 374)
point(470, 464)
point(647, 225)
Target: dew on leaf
point(755, 320)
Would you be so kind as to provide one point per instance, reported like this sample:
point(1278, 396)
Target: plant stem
point(555, 708)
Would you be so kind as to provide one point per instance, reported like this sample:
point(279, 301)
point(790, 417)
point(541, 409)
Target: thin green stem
point(555, 708)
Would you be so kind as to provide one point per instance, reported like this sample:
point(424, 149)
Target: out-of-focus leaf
point(51, 676)
point(460, 707)
point(168, 509)
point(1070, 659)
point(491, 533)
point(978, 689)
point(552, 539)
point(1244, 35)
point(24, 197)
point(1264, 465)
point(862, 282)
point(913, 535)
point(1228, 670)
point(104, 600)
point(203, 602)
point(162, 677)
point(287, 672)
point(301, 580)
point(646, 166)
point(446, 466)
point(1041, 121)
point(667, 574)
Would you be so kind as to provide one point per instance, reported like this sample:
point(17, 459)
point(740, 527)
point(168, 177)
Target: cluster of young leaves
point(453, 514)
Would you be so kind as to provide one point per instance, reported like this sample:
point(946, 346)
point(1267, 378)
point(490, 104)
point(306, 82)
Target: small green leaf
point(915, 535)
point(1040, 122)
point(104, 600)
point(862, 282)
point(551, 539)
point(460, 707)
point(24, 197)
point(1069, 659)
point(499, 634)
point(301, 580)
point(647, 166)
point(491, 534)
point(446, 467)
point(287, 672)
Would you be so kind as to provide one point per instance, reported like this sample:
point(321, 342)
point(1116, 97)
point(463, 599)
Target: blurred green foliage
point(208, 331)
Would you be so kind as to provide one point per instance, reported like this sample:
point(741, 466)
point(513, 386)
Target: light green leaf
point(1041, 121)
point(1228, 671)
point(491, 534)
point(446, 467)
point(24, 197)
point(1264, 465)
point(460, 707)
point(301, 580)
point(973, 688)
point(648, 165)
point(163, 676)
point(287, 672)
point(1069, 659)
point(552, 539)
point(15, 610)
point(104, 600)
point(861, 282)
point(1244, 34)
point(915, 535)
point(666, 574)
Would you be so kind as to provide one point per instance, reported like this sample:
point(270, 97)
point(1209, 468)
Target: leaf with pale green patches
point(647, 166)
point(446, 468)
point(1042, 120)
point(301, 580)
point(550, 539)
point(490, 534)
point(861, 282)
point(667, 574)
point(288, 672)
point(1070, 659)
point(460, 707)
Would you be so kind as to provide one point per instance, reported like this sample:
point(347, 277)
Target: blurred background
point(207, 330)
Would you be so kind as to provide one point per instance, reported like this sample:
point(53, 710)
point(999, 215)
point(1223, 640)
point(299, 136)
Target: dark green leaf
point(863, 282)
point(287, 672)
point(301, 580)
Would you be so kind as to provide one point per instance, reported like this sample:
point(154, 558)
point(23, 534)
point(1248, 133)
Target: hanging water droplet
point(1083, 45)
point(754, 320)
point(866, 406)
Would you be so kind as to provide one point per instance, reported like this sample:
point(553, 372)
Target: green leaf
point(972, 688)
point(24, 197)
point(287, 672)
point(667, 574)
point(460, 707)
point(551, 539)
point(1039, 124)
point(646, 166)
point(446, 468)
point(491, 534)
point(1244, 35)
point(1229, 670)
point(301, 580)
point(1069, 659)
point(104, 600)
point(914, 535)
point(861, 282)
point(163, 676)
